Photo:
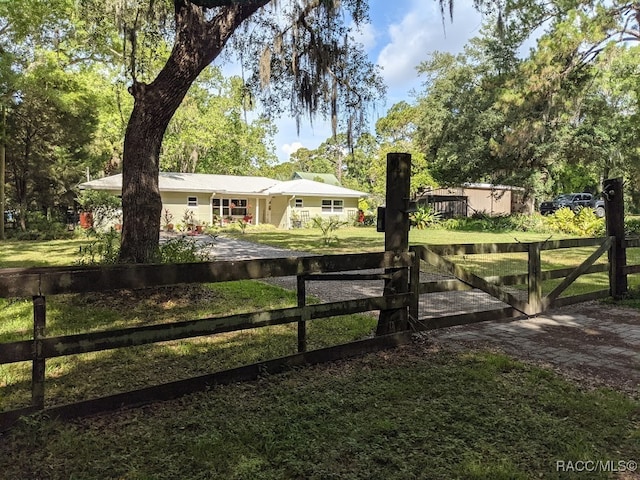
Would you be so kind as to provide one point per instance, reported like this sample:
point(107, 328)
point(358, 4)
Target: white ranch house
point(219, 198)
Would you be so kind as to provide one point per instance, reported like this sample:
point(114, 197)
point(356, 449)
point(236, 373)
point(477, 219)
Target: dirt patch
point(163, 297)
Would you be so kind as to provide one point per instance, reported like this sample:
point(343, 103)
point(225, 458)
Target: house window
point(298, 203)
point(332, 206)
point(225, 207)
point(192, 201)
point(239, 207)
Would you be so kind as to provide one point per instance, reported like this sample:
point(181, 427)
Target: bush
point(424, 217)
point(104, 247)
point(184, 250)
point(104, 206)
point(584, 223)
point(39, 227)
point(327, 227)
point(632, 226)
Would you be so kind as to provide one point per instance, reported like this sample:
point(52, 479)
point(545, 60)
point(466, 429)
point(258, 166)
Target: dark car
point(574, 201)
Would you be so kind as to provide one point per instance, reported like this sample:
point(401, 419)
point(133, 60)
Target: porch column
point(211, 208)
point(257, 215)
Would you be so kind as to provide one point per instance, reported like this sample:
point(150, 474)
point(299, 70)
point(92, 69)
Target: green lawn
point(366, 239)
point(413, 413)
point(410, 413)
point(20, 254)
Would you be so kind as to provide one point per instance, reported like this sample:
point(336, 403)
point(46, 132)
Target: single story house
point(470, 198)
point(223, 198)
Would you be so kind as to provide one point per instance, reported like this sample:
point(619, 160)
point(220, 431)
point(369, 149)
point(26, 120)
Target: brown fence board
point(583, 297)
point(129, 337)
point(179, 388)
point(475, 248)
point(572, 243)
point(54, 280)
point(630, 269)
point(16, 351)
point(632, 242)
point(569, 279)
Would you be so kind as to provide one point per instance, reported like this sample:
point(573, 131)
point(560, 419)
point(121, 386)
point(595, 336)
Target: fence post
point(302, 323)
point(414, 286)
point(613, 193)
point(38, 368)
point(534, 283)
point(396, 238)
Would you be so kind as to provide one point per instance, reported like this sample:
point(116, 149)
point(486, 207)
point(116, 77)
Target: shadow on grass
point(413, 413)
point(95, 374)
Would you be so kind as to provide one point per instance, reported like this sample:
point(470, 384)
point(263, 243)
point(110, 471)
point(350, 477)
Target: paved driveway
point(593, 343)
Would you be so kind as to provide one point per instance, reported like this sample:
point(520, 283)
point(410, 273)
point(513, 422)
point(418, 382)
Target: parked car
point(574, 201)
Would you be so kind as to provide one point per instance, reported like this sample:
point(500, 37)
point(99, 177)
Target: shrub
point(104, 247)
point(104, 206)
point(632, 226)
point(184, 250)
point(327, 227)
point(584, 223)
point(424, 217)
point(40, 227)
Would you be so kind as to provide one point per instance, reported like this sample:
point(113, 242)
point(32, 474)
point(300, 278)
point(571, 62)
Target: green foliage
point(103, 248)
point(183, 249)
point(42, 227)
point(105, 206)
point(242, 223)
point(426, 216)
point(327, 227)
point(584, 223)
point(209, 134)
point(632, 226)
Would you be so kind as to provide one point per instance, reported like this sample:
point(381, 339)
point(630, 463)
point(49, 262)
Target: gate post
point(613, 193)
point(534, 283)
point(38, 364)
point(396, 238)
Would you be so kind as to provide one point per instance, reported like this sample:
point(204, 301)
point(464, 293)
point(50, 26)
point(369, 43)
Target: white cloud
point(419, 33)
point(365, 34)
point(290, 148)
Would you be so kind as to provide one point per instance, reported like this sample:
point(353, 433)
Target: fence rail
point(40, 282)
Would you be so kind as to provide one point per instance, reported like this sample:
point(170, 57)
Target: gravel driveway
point(592, 343)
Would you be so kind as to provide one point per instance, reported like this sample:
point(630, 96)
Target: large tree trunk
point(198, 42)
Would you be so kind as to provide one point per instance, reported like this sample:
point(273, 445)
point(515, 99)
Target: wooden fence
point(41, 282)
point(38, 283)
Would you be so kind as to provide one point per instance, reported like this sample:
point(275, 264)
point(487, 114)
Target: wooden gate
point(531, 301)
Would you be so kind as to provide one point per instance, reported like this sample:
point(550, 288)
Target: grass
point(413, 413)
point(358, 239)
point(22, 254)
point(366, 239)
point(94, 374)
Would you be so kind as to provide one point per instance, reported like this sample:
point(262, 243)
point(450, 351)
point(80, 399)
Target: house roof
point(230, 184)
point(328, 178)
point(193, 182)
point(309, 188)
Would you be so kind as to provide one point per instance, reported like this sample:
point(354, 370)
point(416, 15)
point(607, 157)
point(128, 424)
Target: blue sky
point(402, 33)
